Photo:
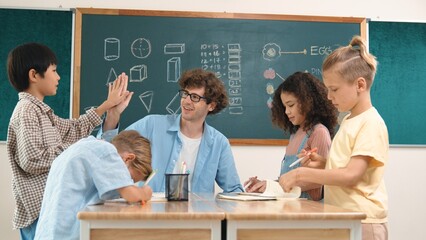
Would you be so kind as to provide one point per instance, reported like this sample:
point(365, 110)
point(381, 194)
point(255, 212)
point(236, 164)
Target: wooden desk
point(193, 219)
point(201, 217)
point(290, 219)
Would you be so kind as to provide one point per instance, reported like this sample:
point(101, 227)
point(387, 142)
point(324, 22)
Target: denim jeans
point(28, 233)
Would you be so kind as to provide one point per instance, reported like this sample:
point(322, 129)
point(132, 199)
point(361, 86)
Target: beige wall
point(7, 203)
point(405, 172)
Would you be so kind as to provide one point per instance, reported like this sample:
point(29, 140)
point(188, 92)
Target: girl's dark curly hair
point(214, 89)
point(312, 96)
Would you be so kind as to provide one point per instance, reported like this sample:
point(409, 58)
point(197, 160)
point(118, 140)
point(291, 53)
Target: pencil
point(299, 160)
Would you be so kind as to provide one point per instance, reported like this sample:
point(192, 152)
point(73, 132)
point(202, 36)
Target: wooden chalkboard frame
point(127, 12)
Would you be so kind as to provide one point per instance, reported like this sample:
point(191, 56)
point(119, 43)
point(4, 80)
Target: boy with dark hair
point(36, 136)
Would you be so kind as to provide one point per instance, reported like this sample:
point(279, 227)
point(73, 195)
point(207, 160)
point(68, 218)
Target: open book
point(273, 191)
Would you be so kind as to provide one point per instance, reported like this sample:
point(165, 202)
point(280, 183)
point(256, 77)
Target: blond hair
point(352, 61)
point(131, 141)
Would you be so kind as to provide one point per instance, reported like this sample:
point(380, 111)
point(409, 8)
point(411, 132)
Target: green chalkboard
point(52, 28)
point(400, 84)
point(252, 54)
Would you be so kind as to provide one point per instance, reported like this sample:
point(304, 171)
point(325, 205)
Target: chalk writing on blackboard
point(272, 51)
point(231, 46)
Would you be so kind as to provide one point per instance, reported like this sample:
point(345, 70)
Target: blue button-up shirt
point(214, 162)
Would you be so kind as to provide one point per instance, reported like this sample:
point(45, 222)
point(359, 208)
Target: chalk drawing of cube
point(173, 69)
point(138, 73)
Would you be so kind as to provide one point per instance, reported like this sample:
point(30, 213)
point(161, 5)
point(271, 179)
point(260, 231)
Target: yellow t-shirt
point(366, 135)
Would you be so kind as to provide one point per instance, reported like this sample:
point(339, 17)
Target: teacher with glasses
point(187, 139)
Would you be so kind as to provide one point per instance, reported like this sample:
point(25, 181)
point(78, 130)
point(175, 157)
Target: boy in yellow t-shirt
point(353, 176)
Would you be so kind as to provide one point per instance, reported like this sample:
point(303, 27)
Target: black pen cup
point(177, 187)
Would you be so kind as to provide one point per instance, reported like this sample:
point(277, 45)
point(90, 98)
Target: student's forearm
point(347, 176)
point(111, 121)
point(101, 109)
point(335, 177)
point(136, 194)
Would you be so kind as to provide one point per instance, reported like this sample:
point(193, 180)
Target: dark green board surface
point(399, 89)
point(250, 56)
point(52, 28)
point(397, 92)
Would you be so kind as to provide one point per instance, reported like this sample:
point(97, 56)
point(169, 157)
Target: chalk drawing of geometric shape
point(174, 105)
point(234, 75)
point(174, 48)
point(235, 101)
point(236, 110)
point(234, 47)
point(146, 99)
point(141, 48)
point(138, 73)
point(111, 49)
point(173, 69)
point(234, 91)
point(111, 76)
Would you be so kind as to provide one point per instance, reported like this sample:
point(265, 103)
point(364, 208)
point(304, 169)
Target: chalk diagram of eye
point(272, 51)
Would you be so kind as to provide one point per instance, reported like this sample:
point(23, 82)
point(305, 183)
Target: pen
point(300, 159)
point(150, 177)
point(249, 183)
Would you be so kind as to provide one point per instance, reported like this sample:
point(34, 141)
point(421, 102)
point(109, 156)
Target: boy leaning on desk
point(90, 172)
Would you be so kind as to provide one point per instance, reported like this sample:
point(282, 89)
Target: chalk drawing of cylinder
point(173, 69)
point(174, 105)
point(138, 73)
point(111, 49)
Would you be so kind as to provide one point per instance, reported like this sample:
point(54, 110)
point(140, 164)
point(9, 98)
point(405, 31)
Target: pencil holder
point(177, 187)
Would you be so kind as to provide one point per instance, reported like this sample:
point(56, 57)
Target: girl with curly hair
point(301, 108)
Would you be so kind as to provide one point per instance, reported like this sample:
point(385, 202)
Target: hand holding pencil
point(305, 154)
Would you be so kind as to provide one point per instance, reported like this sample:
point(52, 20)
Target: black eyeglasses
point(194, 97)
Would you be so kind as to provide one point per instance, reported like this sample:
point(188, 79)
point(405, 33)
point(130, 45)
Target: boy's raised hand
point(113, 114)
point(120, 107)
point(117, 93)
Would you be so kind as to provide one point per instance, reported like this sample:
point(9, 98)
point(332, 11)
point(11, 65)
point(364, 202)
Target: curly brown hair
point(214, 89)
point(312, 96)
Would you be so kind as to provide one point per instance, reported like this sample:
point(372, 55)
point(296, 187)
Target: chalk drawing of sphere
point(271, 51)
point(141, 48)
